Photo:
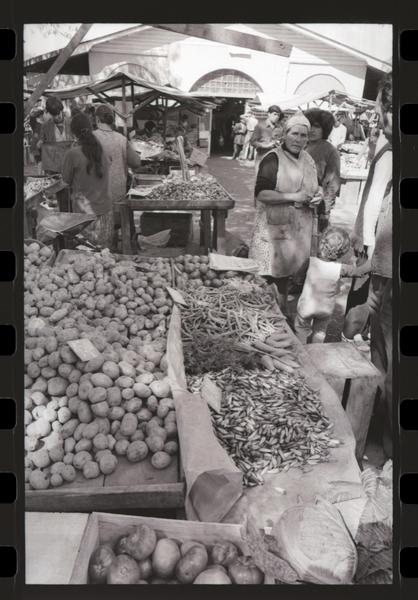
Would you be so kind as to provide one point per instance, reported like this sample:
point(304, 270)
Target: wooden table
point(355, 380)
point(32, 204)
point(213, 236)
point(52, 541)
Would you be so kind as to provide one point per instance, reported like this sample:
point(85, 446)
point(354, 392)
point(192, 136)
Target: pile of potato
point(141, 558)
point(193, 271)
point(83, 415)
point(35, 254)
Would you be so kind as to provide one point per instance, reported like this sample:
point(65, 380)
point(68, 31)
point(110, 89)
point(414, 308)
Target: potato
point(134, 405)
point(108, 464)
point(40, 458)
point(100, 441)
point(54, 360)
point(154, 429)
point(162, 411)
point(33, 370)
point(144, 415)
point(121, 447)
point(56, 480)
point(83, 445)
point(94, 364)
point(40, 385)
point(213, 575)
point(72, 390)
point(69, 445)
point(224, 553)
point(104, 424)
point(38, 398)
point(51, 344)
point(152, 404)
point(100, 380)
point(140, 544)
point(116, 413)
point(137, 436)
point(111, 369)
point(125, 382)
point(81, 458)
point(160, 460)
point(192, 564)
point(68, 355)
point(97, 395)
point(74, 377)
point(68, 473)
point(171, 448)
point(171, 417)
point(63, 401)
point(155, 443)
point(142, 391)
point(160, 389)
point(137, 451)
point(166, 402)
point(127, 369)
point(38, 352)
point(84, 413)
point(113, 396)
point(64, 415)
point(165, 558)
point(57, 467)
point(145, 378)
point(99, 563)
point(91, 470)
point(73, 404)
point(100, 409)
point(84, 389)
point(39, 411)
point(38, 480)
point(78, 432)
point(185, 547)
point(56, 454)
point(57, 427)
point(128, 424)
point(123, 570)
point(128, 394)
point(145, 569)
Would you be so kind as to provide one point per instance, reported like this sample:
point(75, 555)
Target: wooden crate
point(105, 528)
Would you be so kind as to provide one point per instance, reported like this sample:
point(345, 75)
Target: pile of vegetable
point(83, 415)
point(192, 271)
point(204, 187)
point(35, 185)
point(268, 422)
point(35, 255)
point(142, 557)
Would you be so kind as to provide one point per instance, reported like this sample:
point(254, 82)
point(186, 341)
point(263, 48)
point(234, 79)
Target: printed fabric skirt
point(282, 238)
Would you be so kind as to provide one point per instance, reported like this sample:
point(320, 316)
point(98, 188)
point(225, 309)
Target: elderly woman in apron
point(286, 192)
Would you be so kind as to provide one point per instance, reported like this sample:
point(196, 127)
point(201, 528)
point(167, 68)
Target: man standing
point(55, 128)
point(338, 135)
point(267, 136)
point(252, 122)
point(239, 130)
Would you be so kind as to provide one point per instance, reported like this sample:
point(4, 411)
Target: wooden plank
point(88, 545)
point(206, 226)
point(193, 204)
point(52, 541)
point(57, 65)
point(168, 495)
point(218, 33)
point(142, 472)
point(125, 221)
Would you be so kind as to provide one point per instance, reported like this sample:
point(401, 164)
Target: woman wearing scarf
point(285, 191)
point(86, 169)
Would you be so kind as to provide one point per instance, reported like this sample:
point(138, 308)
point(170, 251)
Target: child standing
point(317, 301)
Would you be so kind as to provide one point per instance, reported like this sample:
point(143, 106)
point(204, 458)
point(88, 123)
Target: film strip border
point(11, 312)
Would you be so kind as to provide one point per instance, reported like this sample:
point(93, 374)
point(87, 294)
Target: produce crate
point(105, 528)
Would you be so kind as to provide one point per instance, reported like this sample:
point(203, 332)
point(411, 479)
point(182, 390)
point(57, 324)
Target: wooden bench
point(354, 378)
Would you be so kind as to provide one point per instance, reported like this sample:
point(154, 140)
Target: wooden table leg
point(215, 231)
point(206, 219)
point(125, 222)
point(132, 230)
point(359, 410)
point(63, 199)
point(221, 230)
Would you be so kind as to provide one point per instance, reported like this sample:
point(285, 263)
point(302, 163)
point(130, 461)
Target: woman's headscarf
point(297, 119)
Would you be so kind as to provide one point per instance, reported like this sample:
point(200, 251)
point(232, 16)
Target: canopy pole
point(125, 126)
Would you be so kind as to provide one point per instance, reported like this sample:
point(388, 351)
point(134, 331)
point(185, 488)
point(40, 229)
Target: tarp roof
point(293, 102)
point(116, 81)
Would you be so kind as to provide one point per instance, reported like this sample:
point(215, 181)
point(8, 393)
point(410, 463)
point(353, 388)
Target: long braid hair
point(90, 145)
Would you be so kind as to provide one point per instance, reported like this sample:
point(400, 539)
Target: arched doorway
point(231, 89)
point(319, 83)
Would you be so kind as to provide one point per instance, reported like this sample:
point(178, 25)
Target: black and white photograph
point(208, 303)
